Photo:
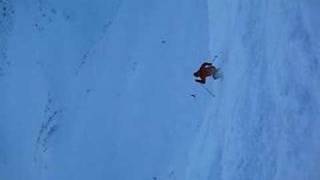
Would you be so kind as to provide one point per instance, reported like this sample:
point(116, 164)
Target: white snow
point(264, 122)
point(102, 90)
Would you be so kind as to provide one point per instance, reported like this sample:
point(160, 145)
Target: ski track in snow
point(102, 37)
point(6, 25)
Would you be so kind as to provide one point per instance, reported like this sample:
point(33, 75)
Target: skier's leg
point(217, 75)
point(202, 81)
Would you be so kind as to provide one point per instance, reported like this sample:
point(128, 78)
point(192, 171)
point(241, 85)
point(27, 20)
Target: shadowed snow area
point(103, 90)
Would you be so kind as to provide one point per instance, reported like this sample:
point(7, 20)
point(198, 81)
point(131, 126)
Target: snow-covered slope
point(264, 121)
point(101, 90)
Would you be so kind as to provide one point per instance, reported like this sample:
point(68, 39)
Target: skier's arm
point(206, 64)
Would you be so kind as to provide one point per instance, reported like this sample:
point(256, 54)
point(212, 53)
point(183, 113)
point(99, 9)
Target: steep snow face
point(264, 121)
point(102, 90)
point(99, 89)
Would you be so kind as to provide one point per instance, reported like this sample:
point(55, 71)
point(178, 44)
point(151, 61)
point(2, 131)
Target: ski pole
point(208, 91)
point(214, 58)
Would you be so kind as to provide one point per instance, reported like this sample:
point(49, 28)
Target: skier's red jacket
point(206, 70)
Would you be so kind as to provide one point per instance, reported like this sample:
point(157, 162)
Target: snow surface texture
point(101, 90)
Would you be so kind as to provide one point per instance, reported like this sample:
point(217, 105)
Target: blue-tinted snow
point(102, 90)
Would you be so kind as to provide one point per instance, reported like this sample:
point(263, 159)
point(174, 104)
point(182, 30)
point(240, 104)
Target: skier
point(206, 70)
